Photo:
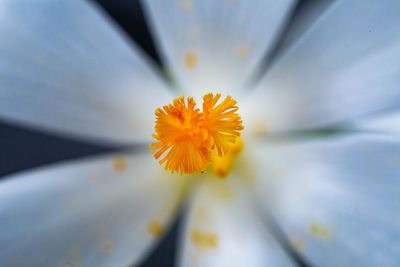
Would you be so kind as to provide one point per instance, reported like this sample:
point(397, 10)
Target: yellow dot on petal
point(186, 6)
point(204, 239)
point(107, 247)
point(155, 229)
point(243, 50)
point(119, 163)
point(297, 243)
point(191, 59)
point(320, 230)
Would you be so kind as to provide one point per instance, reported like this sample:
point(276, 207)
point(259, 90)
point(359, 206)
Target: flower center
point(192, 139)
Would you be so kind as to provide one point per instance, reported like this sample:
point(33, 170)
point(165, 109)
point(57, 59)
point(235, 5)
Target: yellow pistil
point(189, 136)
point(222, 165)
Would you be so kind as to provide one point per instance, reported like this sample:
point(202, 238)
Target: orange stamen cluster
point(188, 136)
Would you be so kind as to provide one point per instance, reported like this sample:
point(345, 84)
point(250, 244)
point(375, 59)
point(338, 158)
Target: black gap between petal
point(164, 254)
point(129, 16)
point(24, 148)
point(303, 15)
point(284, 242)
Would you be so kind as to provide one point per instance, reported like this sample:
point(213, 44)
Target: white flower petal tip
point(337, 199)
point(386, 123)
point(345, 66)
point(107, 211)
point(223, 229)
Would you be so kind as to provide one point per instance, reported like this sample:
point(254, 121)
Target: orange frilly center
point(186, 137)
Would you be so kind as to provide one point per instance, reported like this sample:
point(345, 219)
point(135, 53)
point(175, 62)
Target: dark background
point(23, 148)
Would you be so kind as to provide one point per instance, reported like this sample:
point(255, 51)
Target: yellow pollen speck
point(119, 163)
point(107, 247)
point(204, 239)
point(186, 6)
point(189, 136)
point(320, 231)
point(297, 243)
point(191, 59)
point(155, 229)
point(243, 50)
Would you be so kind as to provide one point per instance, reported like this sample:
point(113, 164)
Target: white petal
point(86, 213)
point(344, 66)
point(338, 197)
point(225, 39)
point(389, 123)
point(223, 229)
point(65, 67)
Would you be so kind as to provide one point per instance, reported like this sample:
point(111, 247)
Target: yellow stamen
point(221, 124)
point(188, 136)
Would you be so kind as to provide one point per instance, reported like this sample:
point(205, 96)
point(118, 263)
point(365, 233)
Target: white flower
point(64, 68)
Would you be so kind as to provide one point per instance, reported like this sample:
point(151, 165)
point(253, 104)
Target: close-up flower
point(269, 129)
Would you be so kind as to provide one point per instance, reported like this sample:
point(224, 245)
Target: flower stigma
point(190, 139)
